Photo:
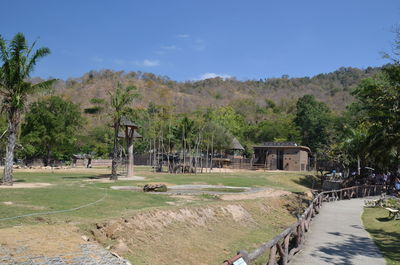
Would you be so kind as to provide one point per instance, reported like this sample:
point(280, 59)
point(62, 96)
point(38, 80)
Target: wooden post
point(286, 249)
point(272, 256)
point(283, 258)
point(299, 236)
point(265, 161)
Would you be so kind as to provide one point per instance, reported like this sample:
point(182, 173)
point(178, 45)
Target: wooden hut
point(282, 156)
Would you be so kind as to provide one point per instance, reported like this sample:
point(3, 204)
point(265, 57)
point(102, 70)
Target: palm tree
point(120, 99)
point(18, 60)
point(356, 144)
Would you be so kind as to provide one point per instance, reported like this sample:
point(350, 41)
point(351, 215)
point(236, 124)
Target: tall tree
point(120, 99)
point(313, 119)
point(18, 61)
point(50, 129)
point(379, 99)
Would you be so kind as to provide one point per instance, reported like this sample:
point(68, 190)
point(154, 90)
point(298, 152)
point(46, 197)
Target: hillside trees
point(228, 118)
point(50, 129)
point(314, 120)
point(97, 141)
point(379, 99)
point(18, 61)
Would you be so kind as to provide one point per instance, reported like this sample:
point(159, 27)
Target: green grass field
point(230, 225)
point(385, 232)
point(71, 188)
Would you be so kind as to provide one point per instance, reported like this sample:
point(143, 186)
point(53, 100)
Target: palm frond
point(18, 63)
point(3, 50)
point(45, 85)
point(39, 53)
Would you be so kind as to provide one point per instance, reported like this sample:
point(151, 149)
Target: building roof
point(283, 145)
point(236, 145)
point(268, 144)
point(126, 122)
point(135, 134)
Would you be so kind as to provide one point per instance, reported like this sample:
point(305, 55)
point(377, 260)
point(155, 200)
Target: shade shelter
point(129, 129)
point(237, 148)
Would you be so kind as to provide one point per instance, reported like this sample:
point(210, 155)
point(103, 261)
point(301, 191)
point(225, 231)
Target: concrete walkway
point(337, 236)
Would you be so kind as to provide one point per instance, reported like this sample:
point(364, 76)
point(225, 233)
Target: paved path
point(337, 236)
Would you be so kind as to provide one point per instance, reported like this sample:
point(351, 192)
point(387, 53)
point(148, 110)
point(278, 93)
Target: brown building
point(282, 156)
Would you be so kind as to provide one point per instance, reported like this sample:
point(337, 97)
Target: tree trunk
point(130, 155)
point(9, 161)
point(212, 152)
point(114, 163)
point(154, 153)
point(358, 165)
point(207, 155)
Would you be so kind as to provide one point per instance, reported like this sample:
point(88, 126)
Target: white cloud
point(199, 45)
point(97, 59)
point(183, 36)
point(169, 47)
point(119, 61)
point(147, 63)
point(213, 75)
point(151, 63)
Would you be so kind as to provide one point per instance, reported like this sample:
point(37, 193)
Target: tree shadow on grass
point(102, 176)
point(350, 247)
point(19, 180)
point(388, 242)
point(309, 181)
point(77, 178)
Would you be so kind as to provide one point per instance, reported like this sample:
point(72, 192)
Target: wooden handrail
point(281, 251)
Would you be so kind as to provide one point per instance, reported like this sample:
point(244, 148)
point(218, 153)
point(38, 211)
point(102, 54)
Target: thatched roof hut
point(236, 145)
point(128, 123)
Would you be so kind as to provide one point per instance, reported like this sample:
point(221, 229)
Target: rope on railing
point(55, 212)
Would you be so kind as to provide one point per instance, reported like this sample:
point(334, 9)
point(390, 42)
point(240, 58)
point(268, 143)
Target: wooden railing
point(281, 249)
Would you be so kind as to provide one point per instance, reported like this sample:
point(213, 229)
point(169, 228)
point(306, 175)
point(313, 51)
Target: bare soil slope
point(196, 234)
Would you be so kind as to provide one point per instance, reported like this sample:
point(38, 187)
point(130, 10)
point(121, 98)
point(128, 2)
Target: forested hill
point(332, 88)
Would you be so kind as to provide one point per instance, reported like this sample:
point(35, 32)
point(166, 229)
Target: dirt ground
point(107, 180)
point(248, 196)
point(47, 240)
point(52, 244)
point(208, 232)
point(22, 185)
point(186, 232)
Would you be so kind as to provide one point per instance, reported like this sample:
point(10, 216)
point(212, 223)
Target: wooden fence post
point(272, 256)
point(286, 248)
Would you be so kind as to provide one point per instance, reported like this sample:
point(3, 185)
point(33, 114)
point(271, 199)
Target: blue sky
point(189, 40)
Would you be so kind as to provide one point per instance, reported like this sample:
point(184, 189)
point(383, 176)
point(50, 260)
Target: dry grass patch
point(195, 234)
point(41, 240)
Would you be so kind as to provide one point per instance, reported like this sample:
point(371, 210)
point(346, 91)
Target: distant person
point(397, 184)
